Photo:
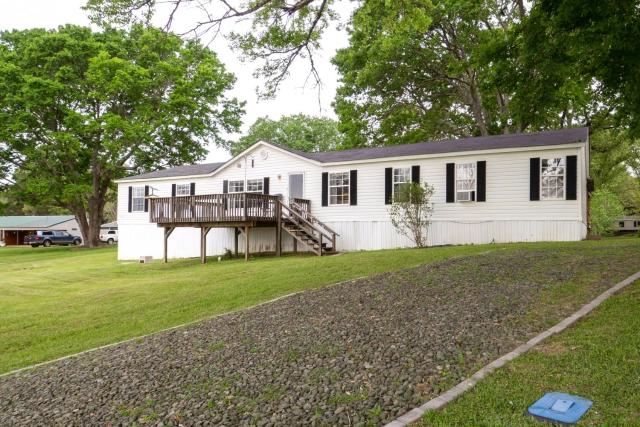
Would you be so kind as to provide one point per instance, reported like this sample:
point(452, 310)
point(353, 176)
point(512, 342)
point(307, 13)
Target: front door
point(296, 186)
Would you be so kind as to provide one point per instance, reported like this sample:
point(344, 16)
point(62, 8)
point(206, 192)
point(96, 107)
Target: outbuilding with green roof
point(14, 228)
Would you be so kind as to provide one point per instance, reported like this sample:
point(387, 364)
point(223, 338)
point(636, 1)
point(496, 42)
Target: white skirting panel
point(370, 235)
point(136, 240)
point(146, 239)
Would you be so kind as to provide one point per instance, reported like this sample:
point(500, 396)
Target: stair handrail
point(314, 219)
point(309, 224)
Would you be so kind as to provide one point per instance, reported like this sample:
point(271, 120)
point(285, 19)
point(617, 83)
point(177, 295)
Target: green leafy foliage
point(411, 211)
point(614, 157)
point(279, 33)
point(435, 69)
point(79, 109)
point(605, 209)
point(299, 132)
point(600, 39)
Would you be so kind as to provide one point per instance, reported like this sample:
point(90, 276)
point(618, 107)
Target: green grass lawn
point(59, 301)
point(599, 358)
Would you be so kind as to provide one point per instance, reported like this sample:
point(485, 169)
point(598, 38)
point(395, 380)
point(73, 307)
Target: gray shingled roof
point(521, 140)
point(539, 139)
point(186, 170)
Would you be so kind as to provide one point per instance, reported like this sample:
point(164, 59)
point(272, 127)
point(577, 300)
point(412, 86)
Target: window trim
point(187, 186)
point(347, 202)
point(230, 184)
point(134, 198)
point(474, 191)
point(393, 179)
point(259, 181)
point(563, 175)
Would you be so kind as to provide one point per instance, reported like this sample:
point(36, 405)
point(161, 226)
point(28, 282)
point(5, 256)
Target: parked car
point(48, 238)
point(109, 236)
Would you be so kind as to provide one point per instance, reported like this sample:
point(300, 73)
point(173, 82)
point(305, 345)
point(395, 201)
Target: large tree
point(279, 33)
point(299, 131)
point(419, 69)
point(79, 109)
point(446, 68)
point(600, 37)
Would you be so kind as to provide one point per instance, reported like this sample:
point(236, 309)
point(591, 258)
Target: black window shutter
point(173, 190)
point(415, 174)
point(481, 182)
point(534, 178)
point(193, 189)
point(130, 198)
point(265, 185)
point(353, 187)
point(146, 201)
point(225, 186)
point(572, 177)
point(451, 182)
point(325, 188)
point(388, 186)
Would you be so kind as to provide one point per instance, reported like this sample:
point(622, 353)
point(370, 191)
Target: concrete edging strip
point(448, 396)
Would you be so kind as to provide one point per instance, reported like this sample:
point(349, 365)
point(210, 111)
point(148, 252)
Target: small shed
point(13, 229)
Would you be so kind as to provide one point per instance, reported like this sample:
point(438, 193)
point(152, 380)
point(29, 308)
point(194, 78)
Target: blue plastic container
point(560, 408)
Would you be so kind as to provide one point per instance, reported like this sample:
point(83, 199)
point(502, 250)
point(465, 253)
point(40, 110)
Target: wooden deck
point(219, 209)
point(242, 211)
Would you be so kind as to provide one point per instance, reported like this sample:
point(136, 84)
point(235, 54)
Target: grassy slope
point(59, 301)
point(598, 359)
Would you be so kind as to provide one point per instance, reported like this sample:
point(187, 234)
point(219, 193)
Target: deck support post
point(203, 244)
point(278, 228)
point(320, 242)
point(236, 233)
point(167, 233)
point(295, 245)
point(246, 242)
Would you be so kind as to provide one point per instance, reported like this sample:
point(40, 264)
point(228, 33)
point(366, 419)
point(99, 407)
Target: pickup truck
point(48, 238)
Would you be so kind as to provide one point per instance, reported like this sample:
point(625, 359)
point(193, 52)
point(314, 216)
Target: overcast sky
point(292, 98)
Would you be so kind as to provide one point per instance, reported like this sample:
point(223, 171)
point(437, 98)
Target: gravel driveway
point(358, 353)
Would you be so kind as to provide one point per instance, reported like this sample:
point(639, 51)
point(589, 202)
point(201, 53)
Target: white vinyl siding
point(552, 178)
point(183, 189)
point(465, 181)
point(339, 188)
point(137, 199)
point(507, 216)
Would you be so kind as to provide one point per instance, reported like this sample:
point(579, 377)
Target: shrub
point(411, 211)
point(605, 209)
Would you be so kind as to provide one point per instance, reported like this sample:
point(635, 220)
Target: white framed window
point(183, 189)
point(552, 178)
point(236, 186)
point(339, 188)
point(137, 199)
point(400, 176)
point(255, 185)
point(465, 182)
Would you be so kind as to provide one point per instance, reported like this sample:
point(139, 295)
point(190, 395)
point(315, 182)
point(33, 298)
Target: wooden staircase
point(308, 230)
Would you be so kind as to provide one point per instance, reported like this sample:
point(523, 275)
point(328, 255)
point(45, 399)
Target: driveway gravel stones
point(357, 353)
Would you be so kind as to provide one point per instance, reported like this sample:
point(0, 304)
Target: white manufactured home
point(505, 188)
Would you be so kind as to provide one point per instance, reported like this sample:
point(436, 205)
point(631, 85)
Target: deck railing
point(213, 208)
